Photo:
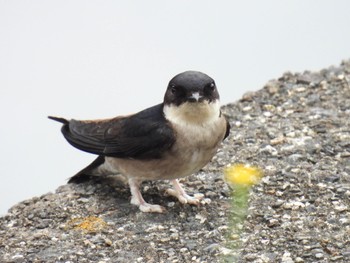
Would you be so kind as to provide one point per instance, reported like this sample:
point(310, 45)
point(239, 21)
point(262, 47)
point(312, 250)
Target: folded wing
point(145, 135)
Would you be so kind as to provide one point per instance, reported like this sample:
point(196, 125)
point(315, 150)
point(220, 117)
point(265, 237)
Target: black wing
point(145, 135)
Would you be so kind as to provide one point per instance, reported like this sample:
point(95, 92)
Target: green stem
point(238, 213)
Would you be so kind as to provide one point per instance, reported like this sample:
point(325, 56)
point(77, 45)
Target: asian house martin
point(168, 141)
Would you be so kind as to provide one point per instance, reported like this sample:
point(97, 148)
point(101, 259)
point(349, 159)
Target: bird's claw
point(185, 198)
point(146, 207)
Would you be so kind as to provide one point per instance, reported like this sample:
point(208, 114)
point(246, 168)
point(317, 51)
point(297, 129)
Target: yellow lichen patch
point(88, 224)
point(241, 174)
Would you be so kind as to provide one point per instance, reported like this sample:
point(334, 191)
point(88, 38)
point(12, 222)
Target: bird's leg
point(181, 195)
point(137, 199)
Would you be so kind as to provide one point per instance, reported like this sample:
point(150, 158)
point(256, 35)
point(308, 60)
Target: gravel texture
point(297, 129)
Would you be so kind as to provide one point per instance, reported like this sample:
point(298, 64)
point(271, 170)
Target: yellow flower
point(241, 174)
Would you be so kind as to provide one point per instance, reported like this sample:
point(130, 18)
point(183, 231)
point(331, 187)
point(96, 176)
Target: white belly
point(195, 146)
point(199, 129)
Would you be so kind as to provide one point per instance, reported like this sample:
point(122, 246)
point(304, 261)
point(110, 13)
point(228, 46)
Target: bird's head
point(191, 87)
point(191, 96)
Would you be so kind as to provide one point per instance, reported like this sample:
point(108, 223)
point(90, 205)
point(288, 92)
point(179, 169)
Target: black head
point(191, 86)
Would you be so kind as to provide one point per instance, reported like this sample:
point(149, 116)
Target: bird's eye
point(173, 89)
point(211, 86)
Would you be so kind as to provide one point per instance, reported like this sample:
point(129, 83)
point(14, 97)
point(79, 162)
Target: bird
point(168, 141)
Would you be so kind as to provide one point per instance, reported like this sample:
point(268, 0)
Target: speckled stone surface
point(296, 128)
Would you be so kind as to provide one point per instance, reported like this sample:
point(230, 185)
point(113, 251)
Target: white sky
point(97, 59)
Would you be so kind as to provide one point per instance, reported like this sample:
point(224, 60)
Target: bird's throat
point(193, 113)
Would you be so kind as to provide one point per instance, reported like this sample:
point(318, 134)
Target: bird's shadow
point(112, 197)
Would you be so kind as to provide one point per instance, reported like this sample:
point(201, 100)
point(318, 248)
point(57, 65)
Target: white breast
point(200, 128)
point(196, 123)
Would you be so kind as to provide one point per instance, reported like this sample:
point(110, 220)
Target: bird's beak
point(195, 97)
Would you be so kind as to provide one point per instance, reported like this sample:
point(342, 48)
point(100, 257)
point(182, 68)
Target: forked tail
point(61, 120)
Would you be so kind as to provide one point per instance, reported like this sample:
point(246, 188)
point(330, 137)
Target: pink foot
point(137, 199)
point(181, 195)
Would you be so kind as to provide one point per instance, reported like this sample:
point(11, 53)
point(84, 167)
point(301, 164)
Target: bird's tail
point(87, 173)
point(61, 120)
